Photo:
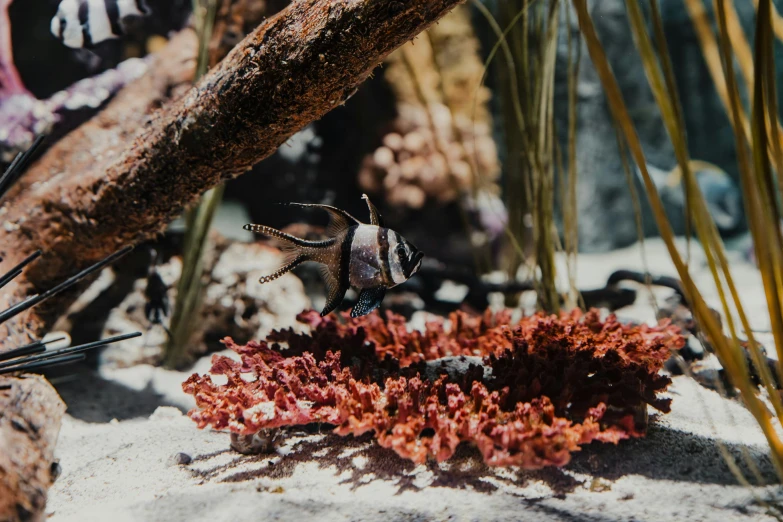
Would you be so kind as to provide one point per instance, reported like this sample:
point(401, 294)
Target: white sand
point(124, 470)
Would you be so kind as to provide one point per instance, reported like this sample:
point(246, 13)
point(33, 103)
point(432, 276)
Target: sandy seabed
point(124, 428)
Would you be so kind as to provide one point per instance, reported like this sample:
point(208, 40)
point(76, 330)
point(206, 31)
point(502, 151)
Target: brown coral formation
point(548, 384)
point(440, 143)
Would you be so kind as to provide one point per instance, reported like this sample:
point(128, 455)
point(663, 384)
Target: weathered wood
point(125, 174)
point(30, 417)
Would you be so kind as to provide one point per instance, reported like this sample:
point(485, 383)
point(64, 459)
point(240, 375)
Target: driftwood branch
point(124, 175)
point(30, 416)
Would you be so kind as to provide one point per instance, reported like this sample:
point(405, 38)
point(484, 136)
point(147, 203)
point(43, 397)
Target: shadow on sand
point(665, 454)
point(91, 398)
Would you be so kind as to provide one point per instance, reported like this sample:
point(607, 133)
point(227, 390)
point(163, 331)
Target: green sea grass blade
point(198, 221)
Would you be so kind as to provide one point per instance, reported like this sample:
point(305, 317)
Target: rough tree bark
point(30, 416)
point(125, 174)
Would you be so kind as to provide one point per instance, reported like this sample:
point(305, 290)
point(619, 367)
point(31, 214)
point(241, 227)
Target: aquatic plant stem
point(544, 171)
point(198, 222)
point(661, 79)
point(527, 86)
point(190, 288)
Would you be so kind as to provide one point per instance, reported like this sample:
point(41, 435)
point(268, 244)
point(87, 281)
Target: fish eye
point(401, 251)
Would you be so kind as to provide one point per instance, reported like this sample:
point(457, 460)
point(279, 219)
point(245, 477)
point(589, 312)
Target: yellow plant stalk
point(777, 20)
point(756, 175)
point(730, 353)
point(712, 55)
point(713, 247)
point(744, 55)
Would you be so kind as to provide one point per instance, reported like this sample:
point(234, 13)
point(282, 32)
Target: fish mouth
point(413, 264)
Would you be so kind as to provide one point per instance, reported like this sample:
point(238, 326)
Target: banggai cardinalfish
point(370, 258)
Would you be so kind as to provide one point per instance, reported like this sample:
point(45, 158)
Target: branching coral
point(440, 145)
point(554, 383)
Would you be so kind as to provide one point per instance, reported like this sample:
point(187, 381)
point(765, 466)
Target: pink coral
point(556, 383)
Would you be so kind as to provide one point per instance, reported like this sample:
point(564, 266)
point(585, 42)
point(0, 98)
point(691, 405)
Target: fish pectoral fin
point(375, 216)
point(335, 290)
point(369, 300)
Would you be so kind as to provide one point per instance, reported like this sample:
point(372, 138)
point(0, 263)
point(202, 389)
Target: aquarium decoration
point(526, 393)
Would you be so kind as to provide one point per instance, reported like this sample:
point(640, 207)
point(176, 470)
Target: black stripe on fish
point(339, 283)
point(113, 13)
point(142, 7)
point(397, 239)
point(345, 256)
point(383, 254)
point(84, 21)
point(60, 27)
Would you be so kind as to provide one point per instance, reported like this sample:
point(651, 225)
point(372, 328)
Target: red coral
point(556, 383)
point(468, 335)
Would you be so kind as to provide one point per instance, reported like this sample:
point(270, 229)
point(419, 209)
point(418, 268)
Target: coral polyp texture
point(525, 394)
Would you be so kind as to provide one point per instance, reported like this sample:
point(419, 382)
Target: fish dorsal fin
point(375, 217)
point(335, 290)
point(369, 300)
point(339, 219)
